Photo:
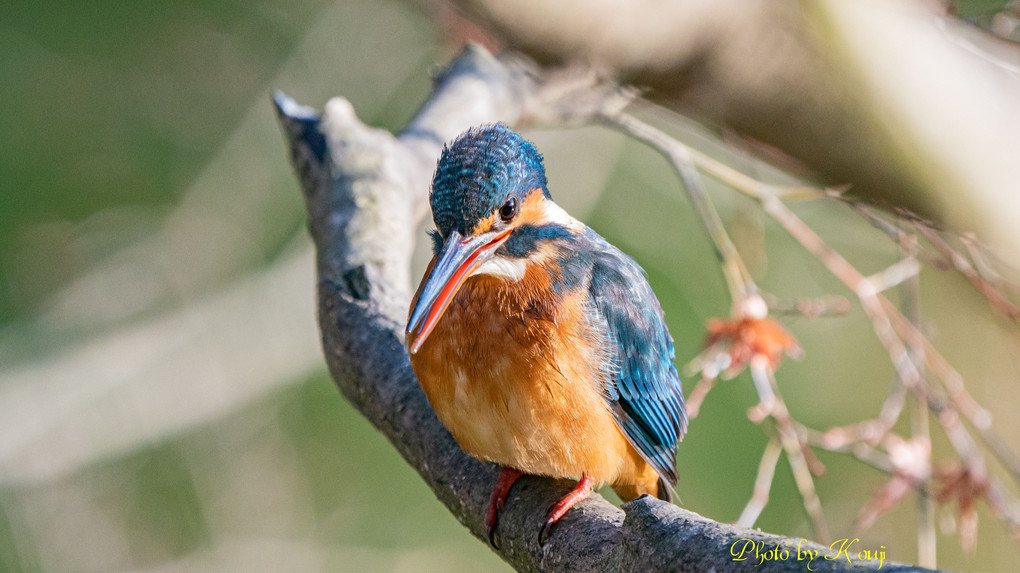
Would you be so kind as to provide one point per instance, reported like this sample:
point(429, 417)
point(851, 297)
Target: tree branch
point(365, 191)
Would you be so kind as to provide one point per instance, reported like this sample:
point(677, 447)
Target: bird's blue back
point(646, 392)
point(644, 389)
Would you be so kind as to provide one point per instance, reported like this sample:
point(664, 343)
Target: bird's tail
point(666, 492)
point(660, 488)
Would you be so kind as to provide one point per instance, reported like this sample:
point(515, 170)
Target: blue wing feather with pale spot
point(645, 392)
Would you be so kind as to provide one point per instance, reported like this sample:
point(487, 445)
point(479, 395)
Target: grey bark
point(365, 191)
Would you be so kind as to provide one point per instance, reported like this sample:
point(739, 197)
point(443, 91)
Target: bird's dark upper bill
point(460, 257)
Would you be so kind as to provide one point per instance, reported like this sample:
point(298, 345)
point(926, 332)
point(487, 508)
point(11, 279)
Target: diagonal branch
point(365, 191)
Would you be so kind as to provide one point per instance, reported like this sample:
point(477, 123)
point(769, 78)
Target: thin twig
point(697, 396)
point(978, 416)
point(870, 431)
point(920, 427)
point(762, 484)
point(982, 285)
point(895, 274)
point(832, 305)
point(976, 273)
point(860, 450)
point(682, 158)
point(792, 445)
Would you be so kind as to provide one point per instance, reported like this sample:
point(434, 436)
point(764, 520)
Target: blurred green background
point(163, 401)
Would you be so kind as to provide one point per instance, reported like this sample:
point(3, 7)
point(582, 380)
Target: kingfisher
point(540, 346)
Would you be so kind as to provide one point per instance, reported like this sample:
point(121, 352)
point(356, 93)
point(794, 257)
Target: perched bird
point(540, 346)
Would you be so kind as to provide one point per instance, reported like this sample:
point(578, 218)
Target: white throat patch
point(555, 214)
point(497, 266)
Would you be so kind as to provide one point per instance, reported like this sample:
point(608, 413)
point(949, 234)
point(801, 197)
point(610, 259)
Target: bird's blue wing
point(645, 391)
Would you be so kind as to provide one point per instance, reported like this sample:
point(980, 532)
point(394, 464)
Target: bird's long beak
point(459, 258)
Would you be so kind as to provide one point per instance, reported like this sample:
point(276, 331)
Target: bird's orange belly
point(524, 393)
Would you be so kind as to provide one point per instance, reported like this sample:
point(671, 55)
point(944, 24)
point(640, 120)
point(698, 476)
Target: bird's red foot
point(580, 492)
point(506, 478)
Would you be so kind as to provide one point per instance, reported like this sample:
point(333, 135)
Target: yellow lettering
point(844, 549)
point(808, 554)
point(743, 549)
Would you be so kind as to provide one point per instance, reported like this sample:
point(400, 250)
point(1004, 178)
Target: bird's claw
point(545, 532)
point(507, 477)
point(581, 491)
point(490, 532)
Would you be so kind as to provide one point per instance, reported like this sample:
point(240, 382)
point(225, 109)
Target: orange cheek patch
point(533, 208)
point(485, 225)
point(531, 211)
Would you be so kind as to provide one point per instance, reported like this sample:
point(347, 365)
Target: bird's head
point(492, 212)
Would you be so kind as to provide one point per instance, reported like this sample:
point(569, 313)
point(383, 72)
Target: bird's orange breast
point(518, 375)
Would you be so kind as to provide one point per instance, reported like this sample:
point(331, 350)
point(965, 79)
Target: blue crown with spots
point(478, 171)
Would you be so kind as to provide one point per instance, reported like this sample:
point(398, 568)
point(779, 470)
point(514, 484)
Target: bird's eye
point(508, 210)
